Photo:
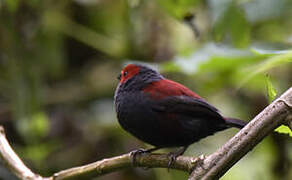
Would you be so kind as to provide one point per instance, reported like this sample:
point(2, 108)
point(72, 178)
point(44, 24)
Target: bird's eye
point(125, 73)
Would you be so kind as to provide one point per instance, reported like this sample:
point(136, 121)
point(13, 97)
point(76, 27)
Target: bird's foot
point(173, 155)
point(136, 152)
point(172, 158)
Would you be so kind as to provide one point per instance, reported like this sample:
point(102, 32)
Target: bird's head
point(138, 75)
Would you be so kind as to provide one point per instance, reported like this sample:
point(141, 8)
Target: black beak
point(119, 77)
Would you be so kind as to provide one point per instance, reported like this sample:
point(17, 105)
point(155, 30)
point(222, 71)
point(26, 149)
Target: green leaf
point(284, 130)
point(270, 89)
point(40, 124)
point(232, 23)
point(11, 5)
point(177, 8)
point(271, 62)
point(170, 67)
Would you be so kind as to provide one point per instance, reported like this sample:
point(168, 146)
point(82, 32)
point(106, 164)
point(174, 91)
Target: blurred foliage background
point(59, 61)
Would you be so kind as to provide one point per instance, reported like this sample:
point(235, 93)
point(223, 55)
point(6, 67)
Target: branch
point(124, 161)
point(215, 165)
point(98, 168)
point(210, 167)
point(12, 161)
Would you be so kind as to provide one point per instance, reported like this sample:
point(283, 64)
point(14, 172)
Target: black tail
point(233, 122)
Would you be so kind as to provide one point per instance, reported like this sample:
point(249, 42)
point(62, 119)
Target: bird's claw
point(173, 155)
point(136, 152)
point(172, 158)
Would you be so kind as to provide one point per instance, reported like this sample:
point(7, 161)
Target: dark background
point(59, 61)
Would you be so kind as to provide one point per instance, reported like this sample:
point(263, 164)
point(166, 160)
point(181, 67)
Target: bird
point(164, 113)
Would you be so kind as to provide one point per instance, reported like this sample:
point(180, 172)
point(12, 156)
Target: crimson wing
point(165, 88)
point(186, 113)
point(170, 92)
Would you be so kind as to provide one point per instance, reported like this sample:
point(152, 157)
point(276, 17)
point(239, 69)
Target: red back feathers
point(165, 88)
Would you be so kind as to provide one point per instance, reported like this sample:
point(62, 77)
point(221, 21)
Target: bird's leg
point(134, 153)
point(174, 155)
